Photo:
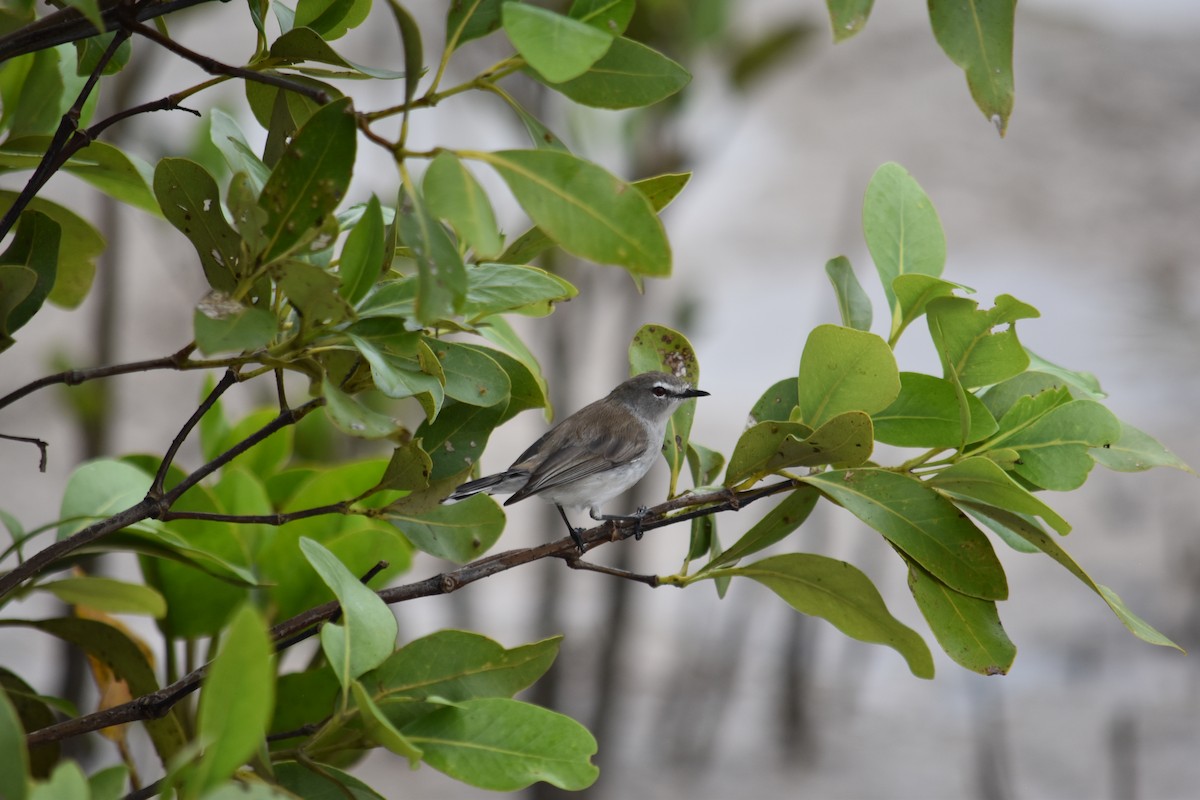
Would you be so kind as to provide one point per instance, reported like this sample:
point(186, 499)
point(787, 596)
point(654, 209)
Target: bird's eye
point(659, 391)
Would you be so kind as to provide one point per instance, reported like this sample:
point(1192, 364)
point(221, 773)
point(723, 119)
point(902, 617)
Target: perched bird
point(596, 453)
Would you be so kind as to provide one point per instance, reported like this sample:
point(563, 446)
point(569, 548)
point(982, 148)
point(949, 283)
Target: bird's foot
point(578, 539)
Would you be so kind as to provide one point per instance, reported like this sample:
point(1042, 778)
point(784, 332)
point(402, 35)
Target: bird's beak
point(693, 393)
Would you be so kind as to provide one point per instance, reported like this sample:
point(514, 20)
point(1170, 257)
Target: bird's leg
point(636, 518)
point(573, 530)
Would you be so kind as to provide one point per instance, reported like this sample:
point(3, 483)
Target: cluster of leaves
point(997, 426)
point(398, 311)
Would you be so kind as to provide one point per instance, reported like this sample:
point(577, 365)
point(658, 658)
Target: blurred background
point(1088, 210)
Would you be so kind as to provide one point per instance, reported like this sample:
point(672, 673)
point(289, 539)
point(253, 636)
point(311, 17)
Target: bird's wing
point(554, 463)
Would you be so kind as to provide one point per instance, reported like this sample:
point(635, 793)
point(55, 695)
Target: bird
point(596, 453)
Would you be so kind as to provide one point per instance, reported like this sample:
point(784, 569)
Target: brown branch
point(282, 518)
point(156, 704)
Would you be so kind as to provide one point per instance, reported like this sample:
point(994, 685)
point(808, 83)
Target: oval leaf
point(558, 47)
point(839, 593)
point(922, 524)
point(842, 370)
point(587, 210)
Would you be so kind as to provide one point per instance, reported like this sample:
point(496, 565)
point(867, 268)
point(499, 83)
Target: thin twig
point(589, 566)
point(228, 379)
point(41, 446)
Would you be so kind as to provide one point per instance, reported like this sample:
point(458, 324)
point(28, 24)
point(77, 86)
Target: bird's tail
point(500, 483)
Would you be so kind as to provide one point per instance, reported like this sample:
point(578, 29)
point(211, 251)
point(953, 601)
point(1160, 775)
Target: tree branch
point(156, 704)
point(228, 379)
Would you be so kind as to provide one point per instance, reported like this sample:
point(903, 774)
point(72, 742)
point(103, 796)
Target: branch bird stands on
point(596, 453)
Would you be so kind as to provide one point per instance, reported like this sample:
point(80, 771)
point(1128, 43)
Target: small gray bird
point(596, 453)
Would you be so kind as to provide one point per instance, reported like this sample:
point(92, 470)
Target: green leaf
point(303, 44)
point(414, 58)
point(770, 447)
point(14, 778)
point(90, 10)
point(853, 303)
point(610, 16)
point(332, 19)
point(238, 154)
point(981, 480)
point(922, 524)
point(588, 211)
point(776, 403)
point(222, 324)
point(407, 470)
point(453, 194)
point(507, 288)
point(657, 347)
point(848, 17)
point(498, 331)
point(363, 261)
point(471, 19)
point(1135, 450)
point(978, 37)
point(1044, 542)
point(629, 75)
point(969, 344)
point(191, 202)
point(108, 595)
point(129, 662)
point(558, 47)
point(109, 784)
point(505, 745)
point(459, 532)
point(914, 292)
point(99, 489)
point(1054, 446)
point(841, 370)
point(1035, 392)
point(471, 375)
point(34, 711)
point(926, 414)
point(380, 729)
point(455, 666)
point(368, 634)
point(967, 628)
point(236, 700)
point(350, 416)
point(108, 168)
point(16, 285)
point(29, 271)
point(326, 784)
point(442, 277)
point(902, 230)
point(1084, 385)
point(400, 376)
point(840, 594)
point(659, 190)
point(527, 390)
point(67, 782)
point(775, 526)
point(314, 292)
point(78, 248)
point(310, 179)
point(457, 437)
